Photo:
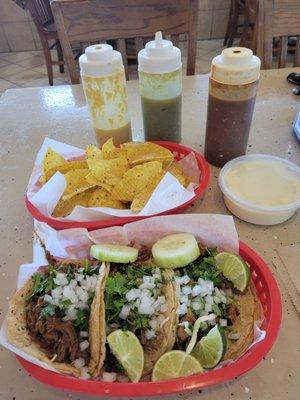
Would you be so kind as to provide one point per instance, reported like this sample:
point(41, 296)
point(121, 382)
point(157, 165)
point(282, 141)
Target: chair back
point(40, 11)
point(278, 19)
point(80, 21)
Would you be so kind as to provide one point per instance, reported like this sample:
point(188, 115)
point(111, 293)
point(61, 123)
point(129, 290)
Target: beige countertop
point(28, 115)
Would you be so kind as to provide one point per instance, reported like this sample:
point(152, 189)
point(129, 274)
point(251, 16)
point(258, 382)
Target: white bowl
point(250, 211)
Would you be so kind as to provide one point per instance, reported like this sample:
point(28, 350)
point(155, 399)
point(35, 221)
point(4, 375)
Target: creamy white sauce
point(264, 182)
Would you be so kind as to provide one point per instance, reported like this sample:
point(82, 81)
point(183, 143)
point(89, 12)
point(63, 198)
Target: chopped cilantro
point(48, 311)
point(82, 319)
point(126, 277)
point(204, 267)
point(65, 303)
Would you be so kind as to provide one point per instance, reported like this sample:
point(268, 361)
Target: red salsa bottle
point(232, 92)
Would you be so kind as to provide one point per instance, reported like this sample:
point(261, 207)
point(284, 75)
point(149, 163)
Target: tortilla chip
point(76, 183)
point(66, 167)
point(142, 198)
point(108, 172)
point(93, 153)
point(109, 150)
point(141, 152)
point(51, 160)
point(102, 198)
point(176, 170)
point(65, 207)
point(135, 180)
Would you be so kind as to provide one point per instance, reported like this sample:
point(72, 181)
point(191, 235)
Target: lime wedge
point(234, 269)
point(175, 364)
point(128, 350)
point(114, 253)
point(175, 251)
point(211, 348)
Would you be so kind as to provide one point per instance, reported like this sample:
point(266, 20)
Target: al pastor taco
point(55, 317)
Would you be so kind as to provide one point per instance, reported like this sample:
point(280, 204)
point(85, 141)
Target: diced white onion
point(60, 279)
point(73, 283)
point(182, 309)
point(84, 345)
point(150, 334)
point(47, 298)
point(197, 289)
point(223, 322)
point(208, 308)
point(69, 293)
point(109, 377)
point(57, 292)
point(186, 290)
point(79, 363)
point(133, 294)
point(83, 334)
point(125, 311)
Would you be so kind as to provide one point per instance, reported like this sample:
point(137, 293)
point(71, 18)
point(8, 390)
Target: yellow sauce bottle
point(160, 81)
point(104, 85)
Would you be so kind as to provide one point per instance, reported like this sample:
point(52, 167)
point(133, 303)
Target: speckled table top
point(28, 115)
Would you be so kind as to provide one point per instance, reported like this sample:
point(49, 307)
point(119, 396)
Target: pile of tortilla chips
point(117, 177)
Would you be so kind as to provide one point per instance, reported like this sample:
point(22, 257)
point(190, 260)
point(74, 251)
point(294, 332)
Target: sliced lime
point(175, 364)
point(175, 251)
point(211, 348)
point(235, 269)
point(114, 253)
point(128, 350)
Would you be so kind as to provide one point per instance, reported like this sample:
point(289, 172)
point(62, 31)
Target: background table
point(28, 115)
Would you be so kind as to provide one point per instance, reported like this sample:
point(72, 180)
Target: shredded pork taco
point(55, 317)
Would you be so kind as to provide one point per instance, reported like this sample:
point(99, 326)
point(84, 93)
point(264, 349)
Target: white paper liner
point(167, 195)
point(210, 229)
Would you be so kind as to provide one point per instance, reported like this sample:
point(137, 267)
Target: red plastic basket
point(179, 152)
point(269, 297)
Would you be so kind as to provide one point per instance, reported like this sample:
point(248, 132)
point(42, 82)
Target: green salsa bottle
point(160, 82)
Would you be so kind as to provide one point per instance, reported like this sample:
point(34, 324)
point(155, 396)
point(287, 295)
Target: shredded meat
point(182, 336)
point(144, 253)
point(233, 313)
point(56, 337)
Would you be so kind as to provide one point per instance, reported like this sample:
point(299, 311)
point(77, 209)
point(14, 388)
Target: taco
point(55, 317)
point(140, 298)
point(202, 290)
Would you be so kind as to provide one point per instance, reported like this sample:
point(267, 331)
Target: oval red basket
point(269, 296)
point(179, 152)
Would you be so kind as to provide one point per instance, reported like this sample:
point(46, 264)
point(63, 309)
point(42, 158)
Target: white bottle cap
point(235, 66)
point(159, 56)
point(100, 60)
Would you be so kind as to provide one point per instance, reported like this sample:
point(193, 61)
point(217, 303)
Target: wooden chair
point(277, 19)
point(42, 16)
point(245, 10)
point(95, 20)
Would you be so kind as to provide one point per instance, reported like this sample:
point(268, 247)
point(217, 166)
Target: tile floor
point(27, 69)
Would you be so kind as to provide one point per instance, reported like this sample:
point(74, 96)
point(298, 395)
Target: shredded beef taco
point(140, 298)
point(55, 317)
point(202, 290)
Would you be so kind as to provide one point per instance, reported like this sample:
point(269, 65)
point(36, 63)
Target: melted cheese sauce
point(264, 183)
